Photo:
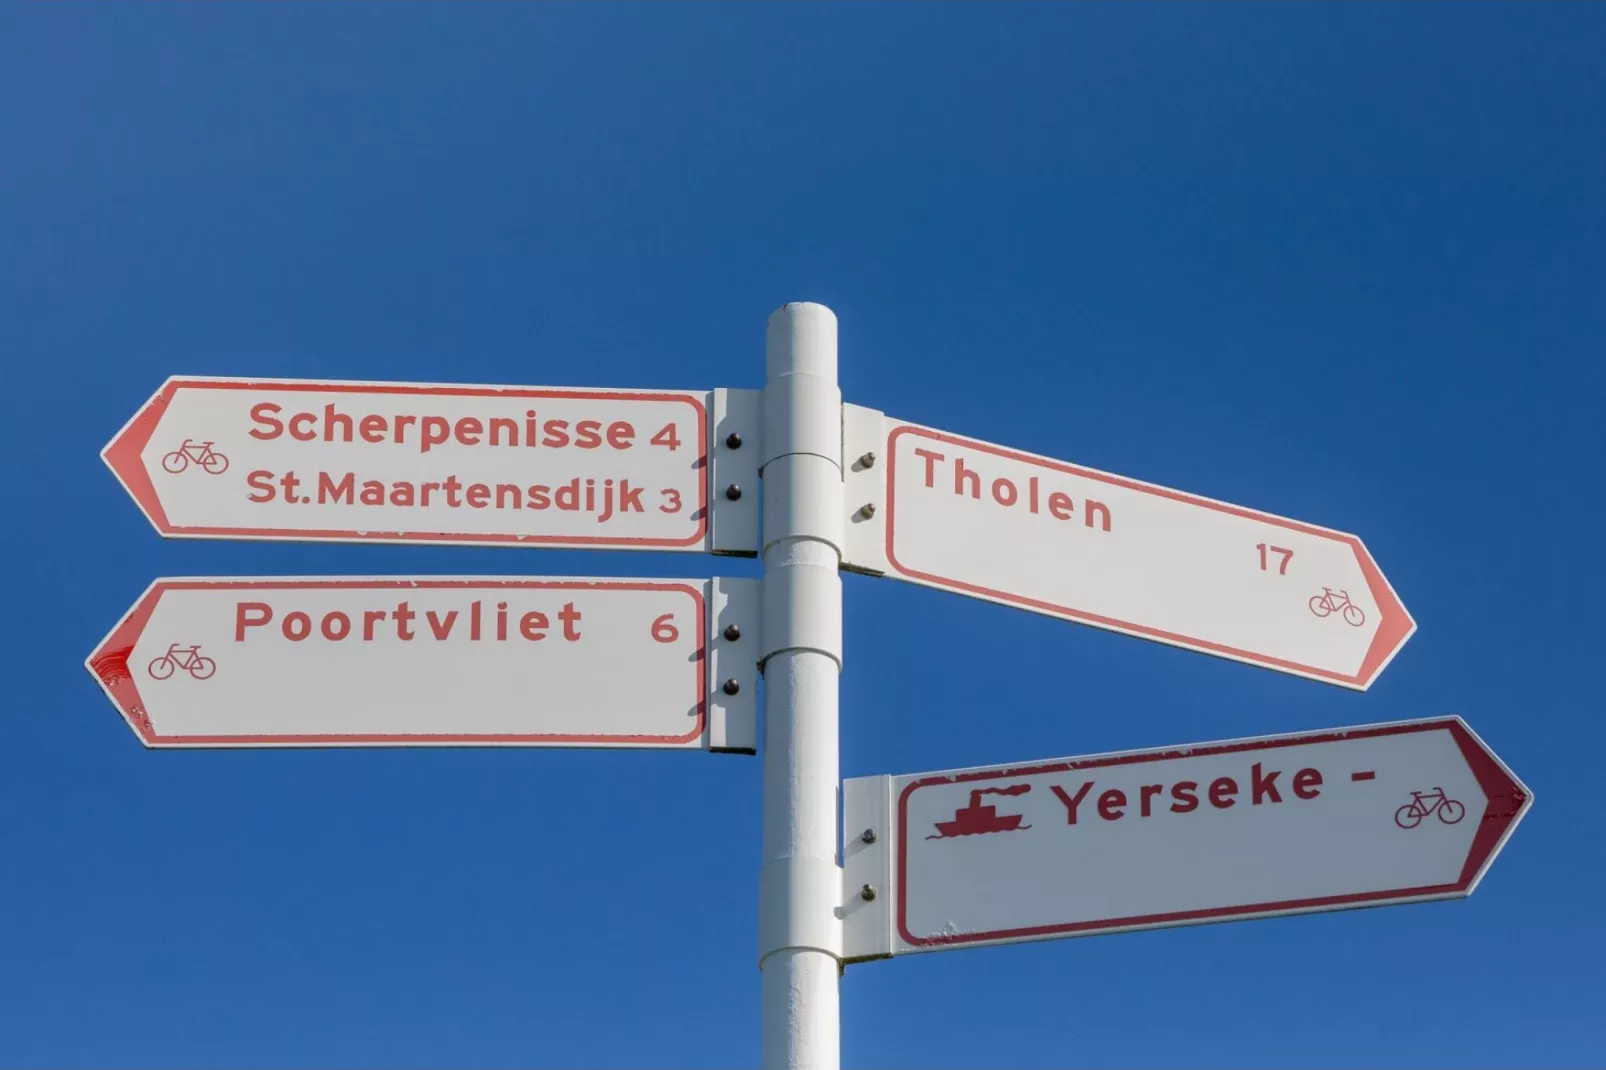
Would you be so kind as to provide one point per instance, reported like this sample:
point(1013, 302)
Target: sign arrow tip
point(123, 455)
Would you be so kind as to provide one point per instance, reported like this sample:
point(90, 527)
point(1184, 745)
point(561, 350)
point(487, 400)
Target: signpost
point(437, 661)
point(407, 462)
point(1248, 828)
point(1071, 542)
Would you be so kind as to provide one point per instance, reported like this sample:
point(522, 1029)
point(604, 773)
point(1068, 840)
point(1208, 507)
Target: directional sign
point(437, 661)
point(1083, 545)
point(401, 462)
point(1249, 828)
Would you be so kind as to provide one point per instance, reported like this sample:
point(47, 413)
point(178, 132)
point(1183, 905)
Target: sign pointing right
point(1071, 542)
point(1245, 828)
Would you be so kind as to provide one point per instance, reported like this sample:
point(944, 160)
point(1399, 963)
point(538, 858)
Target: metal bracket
point(867, 864)
point(864, 490)
point(733, 610)
point(733, 525)
point(801, 892)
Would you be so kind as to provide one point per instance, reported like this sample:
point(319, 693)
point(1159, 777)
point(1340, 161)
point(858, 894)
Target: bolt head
point(732, 633)
point(733, 492)
point(868, 835)
point(867, 510)
point(733, 441)
point(868, 460)
point(867, 893)
point(732, 686)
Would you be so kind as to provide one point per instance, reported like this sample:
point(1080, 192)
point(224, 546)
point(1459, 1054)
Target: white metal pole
point(800, 934)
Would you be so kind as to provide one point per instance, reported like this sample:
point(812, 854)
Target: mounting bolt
point(732, 632)
point(733, 492)
point(867, 893)
point(867, 836)
point(732, 686)
point(867, 510)
point(733, 440)
point(868, 460)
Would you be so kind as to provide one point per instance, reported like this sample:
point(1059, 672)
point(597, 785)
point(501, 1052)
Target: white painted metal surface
point(436, 661)
point(737, 448)
point(408, 462)
point(799, 932)
point(1084, 545)
point(1249, 828)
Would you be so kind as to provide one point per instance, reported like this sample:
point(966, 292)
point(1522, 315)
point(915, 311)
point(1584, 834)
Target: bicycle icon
point(188, 658)
point(193, 452)
point(1330, 601)
point(1424, 804)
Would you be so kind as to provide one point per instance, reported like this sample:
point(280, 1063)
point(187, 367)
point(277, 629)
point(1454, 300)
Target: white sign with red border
point(1083, 545)
point(410, 462)
point(1246, 828)
point(437, 661)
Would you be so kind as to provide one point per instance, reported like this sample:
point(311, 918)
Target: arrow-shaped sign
point(1083, 545)
point(435, 661)
point(413, 462)
point(1246, 828)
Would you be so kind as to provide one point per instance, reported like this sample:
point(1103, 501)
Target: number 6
point(663, 630)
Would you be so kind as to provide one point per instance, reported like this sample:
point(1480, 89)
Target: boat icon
point(975, 819)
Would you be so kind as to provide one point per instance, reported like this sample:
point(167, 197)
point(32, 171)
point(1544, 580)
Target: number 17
point(1288, 555)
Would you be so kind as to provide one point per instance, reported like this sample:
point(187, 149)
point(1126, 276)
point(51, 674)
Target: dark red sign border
point(1394, 628)
point(122, 455)
point(1506, 801)
point(109, 665)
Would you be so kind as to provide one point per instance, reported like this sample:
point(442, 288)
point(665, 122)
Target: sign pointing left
point(410, 462)
point(437, 661)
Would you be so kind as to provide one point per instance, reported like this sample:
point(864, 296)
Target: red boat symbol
point(975, 819)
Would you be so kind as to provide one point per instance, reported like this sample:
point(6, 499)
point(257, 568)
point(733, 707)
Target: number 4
point(1288, 555)
point(667, 437)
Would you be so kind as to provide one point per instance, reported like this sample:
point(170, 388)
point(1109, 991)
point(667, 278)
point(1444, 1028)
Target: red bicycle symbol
point(1425, 803)
point(188, 658)
point(200, 453)
point(1330, 601)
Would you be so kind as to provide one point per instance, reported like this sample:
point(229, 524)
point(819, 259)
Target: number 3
point(674, 502)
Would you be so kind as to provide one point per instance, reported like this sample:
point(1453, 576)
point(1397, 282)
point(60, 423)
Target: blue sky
point(1341, 263)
